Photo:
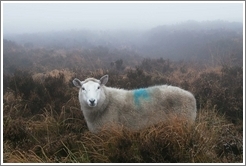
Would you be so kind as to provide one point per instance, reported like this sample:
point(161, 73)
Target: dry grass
point(175, 140)
point(54, 73)
point(171, 141)
point(42, 121)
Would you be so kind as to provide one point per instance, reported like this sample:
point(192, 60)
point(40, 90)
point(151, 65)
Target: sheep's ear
point(77, 82)
point(104, 79)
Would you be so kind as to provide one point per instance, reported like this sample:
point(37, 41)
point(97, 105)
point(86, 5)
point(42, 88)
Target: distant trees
point(118, 64)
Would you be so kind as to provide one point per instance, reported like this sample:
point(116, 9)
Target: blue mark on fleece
point(140, 94)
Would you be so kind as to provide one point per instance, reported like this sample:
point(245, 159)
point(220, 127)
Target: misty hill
point(216, 40)
point(194, 40)
point(20, 57)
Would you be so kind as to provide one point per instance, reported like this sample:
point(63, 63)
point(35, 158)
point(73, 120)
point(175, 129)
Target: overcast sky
point(40, 17)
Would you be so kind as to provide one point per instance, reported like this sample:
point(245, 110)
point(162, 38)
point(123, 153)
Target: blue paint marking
point(140, 94)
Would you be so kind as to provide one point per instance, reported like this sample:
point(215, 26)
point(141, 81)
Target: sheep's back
point(147, 106)
point(142, 107)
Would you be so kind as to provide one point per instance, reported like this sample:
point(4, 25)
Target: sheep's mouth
point(92, 105)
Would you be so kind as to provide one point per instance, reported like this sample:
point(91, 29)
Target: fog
point(43, 17)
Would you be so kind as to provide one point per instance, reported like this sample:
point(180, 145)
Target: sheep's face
point(90, 93)
point(90, 90)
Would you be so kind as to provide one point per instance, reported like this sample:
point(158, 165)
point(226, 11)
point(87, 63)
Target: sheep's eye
point(98, 87)
point(83, 88)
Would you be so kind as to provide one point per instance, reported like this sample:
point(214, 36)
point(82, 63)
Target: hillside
point(42, 120)
point(202, 41)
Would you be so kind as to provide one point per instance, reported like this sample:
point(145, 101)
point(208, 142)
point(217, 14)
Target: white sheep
point(135, 109)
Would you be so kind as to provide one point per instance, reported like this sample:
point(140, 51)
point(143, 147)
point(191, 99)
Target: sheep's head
point(90, 90)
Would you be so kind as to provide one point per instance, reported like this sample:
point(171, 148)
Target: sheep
point(134, 109)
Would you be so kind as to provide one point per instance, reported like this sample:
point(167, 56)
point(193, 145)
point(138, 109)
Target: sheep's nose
point(92, 101)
